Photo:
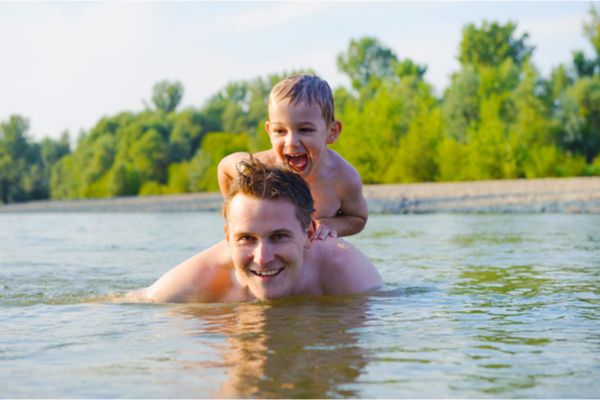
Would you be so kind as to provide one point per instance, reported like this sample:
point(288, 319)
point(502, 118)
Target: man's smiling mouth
point(268, 273)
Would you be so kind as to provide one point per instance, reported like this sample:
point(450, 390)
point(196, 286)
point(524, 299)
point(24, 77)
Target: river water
point(482, 306)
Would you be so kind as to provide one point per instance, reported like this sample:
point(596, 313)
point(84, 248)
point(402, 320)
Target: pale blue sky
point(65, 65)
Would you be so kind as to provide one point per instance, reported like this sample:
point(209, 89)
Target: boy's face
point(267, 245)
point(299, 135)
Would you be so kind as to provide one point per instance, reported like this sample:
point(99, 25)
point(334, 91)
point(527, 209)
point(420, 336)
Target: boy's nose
point(292, 139)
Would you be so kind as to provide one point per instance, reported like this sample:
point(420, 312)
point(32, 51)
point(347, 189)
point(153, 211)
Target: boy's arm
point(353, 213)
point(226, 170)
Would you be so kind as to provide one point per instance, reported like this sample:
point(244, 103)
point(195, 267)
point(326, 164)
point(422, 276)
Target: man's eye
point(245, 239)
point(280, 236)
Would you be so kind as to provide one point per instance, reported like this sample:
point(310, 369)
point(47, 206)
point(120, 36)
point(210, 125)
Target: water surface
point(480, 306)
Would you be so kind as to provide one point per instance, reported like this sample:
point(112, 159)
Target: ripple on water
point(474, 306)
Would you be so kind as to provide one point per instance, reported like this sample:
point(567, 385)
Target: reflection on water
point(514, 280)
point(293, 348)
point(474, 306)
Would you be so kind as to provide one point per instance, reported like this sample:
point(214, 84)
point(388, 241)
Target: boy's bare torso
point(328, 189)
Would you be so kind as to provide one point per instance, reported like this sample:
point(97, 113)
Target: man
point(269, 232)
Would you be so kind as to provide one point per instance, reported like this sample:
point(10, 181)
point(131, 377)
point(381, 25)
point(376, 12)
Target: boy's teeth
point(298, 162)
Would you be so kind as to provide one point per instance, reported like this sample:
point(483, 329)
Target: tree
point(591, 29)
point(215, 146)
point(167, 95)
point(493, 43)
point(367, 58)
point(149, 155)
point(460, 107)
point(580, 117)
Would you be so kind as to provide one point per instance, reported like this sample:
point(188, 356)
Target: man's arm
point(204, 277)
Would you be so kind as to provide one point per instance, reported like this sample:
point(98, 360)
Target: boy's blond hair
point(308, 88)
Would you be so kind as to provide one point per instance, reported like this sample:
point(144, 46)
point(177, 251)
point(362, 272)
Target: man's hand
point(323, 231)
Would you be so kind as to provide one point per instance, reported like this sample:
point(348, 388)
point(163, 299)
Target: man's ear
point(310, 233)
point(226, 230)
point(335, 128)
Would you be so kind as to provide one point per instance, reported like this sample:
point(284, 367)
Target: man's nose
point(263, 254)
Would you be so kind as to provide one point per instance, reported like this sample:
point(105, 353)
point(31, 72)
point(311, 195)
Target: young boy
point(301, 124)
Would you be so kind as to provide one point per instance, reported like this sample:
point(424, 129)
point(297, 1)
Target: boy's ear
point(267, 126)
point(335, 128)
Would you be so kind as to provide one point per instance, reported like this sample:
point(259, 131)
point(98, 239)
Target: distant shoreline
point(549, 195)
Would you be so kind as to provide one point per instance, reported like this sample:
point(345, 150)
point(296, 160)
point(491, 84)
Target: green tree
point(460, 108)
point(493, 43)
point(580, 117)
point(215, 146)
point(21, 173)
point(366, 58)
point(149, 156)
point(166, 95)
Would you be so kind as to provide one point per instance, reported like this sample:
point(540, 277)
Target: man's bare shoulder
point(343, 268)
point(205, 277)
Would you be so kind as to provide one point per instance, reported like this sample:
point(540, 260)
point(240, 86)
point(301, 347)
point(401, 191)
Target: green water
point(482, 306)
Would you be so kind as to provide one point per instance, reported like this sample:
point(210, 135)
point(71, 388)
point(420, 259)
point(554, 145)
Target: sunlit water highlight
point(474, 306)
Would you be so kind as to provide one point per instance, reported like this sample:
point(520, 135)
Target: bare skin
point(273, 256)
point(299, 137)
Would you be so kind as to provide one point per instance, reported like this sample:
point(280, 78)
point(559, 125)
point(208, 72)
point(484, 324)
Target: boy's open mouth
point(269, 273)
point(297, 162)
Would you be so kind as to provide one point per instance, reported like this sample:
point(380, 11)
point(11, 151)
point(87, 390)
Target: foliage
point(498, 118)
point(492, 44)
point(167, 95)
point(24, 165)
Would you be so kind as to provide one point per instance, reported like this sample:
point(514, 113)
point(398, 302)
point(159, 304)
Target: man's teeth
point(269, 272)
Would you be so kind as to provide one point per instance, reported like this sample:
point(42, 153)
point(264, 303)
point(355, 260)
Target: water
point(479, 306)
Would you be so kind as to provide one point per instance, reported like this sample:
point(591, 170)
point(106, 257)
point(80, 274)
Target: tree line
point(498, 118)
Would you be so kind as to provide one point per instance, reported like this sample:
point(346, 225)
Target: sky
point(65, 65)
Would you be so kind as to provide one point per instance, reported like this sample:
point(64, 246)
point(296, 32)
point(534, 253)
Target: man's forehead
point(245, 209)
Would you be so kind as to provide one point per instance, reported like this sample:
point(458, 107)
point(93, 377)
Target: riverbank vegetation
point(498, 118)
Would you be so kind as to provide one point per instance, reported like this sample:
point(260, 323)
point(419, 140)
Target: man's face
point(299, 135)
point(267, 245)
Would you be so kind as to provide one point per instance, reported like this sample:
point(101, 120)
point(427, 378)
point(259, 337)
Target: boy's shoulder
point(343, 172)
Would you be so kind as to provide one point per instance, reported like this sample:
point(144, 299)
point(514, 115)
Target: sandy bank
point(552, 195)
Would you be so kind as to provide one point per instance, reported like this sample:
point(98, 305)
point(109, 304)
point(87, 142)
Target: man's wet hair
point(257, 180)
point(305, 88)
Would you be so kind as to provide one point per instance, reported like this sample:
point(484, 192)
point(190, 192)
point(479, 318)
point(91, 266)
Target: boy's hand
point(323, 231)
